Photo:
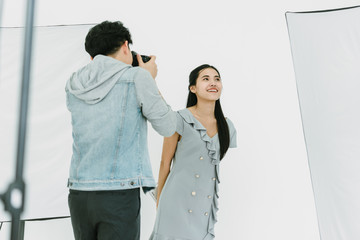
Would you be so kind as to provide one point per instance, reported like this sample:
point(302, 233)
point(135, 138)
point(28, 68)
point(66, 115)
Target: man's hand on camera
point(150, 65)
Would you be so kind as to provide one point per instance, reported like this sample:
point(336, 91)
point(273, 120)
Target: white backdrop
point(49, 132)
point(265, 191)
point(326, 53)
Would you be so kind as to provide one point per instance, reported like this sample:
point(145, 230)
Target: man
point(110, 102)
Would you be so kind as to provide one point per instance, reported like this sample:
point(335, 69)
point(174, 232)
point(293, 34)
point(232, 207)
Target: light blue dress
point(189, 200)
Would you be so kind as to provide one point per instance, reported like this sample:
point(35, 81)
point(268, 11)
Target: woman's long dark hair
point(223, 129)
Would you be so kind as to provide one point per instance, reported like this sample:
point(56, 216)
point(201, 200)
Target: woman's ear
point(193, 89)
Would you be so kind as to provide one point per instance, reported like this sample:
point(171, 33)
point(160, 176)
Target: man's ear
point(125, 47)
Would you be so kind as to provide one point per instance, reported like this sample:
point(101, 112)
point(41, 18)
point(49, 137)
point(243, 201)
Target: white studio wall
point(326, 54)
point(266, 190)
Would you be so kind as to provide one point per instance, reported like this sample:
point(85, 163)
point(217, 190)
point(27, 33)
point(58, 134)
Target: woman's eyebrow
point(217, 76)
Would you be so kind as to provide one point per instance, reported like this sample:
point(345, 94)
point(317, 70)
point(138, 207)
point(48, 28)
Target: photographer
point(110, 102)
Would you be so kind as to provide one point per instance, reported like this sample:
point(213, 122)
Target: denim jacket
point(110, 103)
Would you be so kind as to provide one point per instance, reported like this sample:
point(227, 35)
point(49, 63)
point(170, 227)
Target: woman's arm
point(168, 152)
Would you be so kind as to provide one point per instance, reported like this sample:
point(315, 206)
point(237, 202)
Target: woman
point(187, 195)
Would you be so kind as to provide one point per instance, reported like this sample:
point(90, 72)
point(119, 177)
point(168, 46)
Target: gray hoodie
point(95, 80)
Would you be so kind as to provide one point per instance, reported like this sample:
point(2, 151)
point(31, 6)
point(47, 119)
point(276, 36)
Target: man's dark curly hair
point(106, 38)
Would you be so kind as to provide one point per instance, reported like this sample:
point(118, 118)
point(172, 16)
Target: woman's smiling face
point(208, 85)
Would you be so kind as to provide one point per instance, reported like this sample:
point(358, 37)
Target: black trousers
point(105, 215)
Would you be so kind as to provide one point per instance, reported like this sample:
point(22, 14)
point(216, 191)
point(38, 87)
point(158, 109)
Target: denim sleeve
point(153, 106)
point(233, 134)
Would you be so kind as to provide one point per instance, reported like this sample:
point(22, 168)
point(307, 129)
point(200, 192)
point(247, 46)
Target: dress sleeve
point(153, 106)
point(179, 124)
point(233, 134)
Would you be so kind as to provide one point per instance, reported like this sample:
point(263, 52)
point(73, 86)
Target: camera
point(135, 62)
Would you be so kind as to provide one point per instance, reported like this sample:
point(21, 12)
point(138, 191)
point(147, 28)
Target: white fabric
point(326, 55)
point(57, 52)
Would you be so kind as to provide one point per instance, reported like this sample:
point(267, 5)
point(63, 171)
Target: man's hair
point(106, 38)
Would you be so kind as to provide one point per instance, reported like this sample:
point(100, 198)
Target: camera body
point(135, 62)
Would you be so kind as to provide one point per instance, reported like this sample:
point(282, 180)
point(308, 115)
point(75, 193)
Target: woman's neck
point(204, 109)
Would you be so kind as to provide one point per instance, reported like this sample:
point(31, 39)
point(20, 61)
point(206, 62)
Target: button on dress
point(189, 200)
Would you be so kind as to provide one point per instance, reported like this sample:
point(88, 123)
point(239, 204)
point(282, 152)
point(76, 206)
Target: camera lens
point(135, 62)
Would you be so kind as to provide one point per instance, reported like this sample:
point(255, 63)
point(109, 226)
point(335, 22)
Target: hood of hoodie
point(95, 80)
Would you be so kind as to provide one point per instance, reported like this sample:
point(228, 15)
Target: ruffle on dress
point(210, 145)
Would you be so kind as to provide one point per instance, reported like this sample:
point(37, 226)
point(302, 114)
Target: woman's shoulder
point(230, 124)
point(183, 114)
point(233, 133)
point(183, 111)
point(182, 117)
point(228, 120)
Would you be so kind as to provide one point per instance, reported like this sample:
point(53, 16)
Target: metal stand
point(14, 197)
point(21, 230)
